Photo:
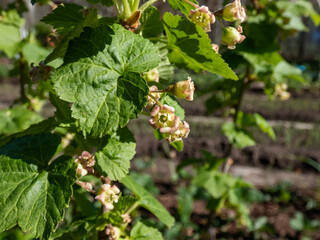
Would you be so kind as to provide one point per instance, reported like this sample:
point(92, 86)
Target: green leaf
point(17, 119)
point(64, 18)
point(183, 6)
point(63, 111)
point(216, 183)
point(150, 24)
point(124, 203)
point(298, 222)
point(190, 47)
point(90, 19)
point(34, 194)
point(147, 201)
point(107, 3)
point(37, 149)
point(283, 70)
point(239, 137)
point(255, 120)
point(141, 231)
point(34, 53)
point(264, 125)
point(41, 127)
point(102, 71)
point(10, 32)
point(178, 145)
point(172, 101)
point(114, 158)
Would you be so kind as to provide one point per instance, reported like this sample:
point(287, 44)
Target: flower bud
point(233, 12)
point(215, 47)
point(231, 36)
point(151, 102)
point(126, 218)
point(112, 232)
point(202, 17)
point(182, 89)
point(152, 75)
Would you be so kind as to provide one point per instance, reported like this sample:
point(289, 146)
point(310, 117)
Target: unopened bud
point(231, 36)
point(126, 218)
point(112, 232)
point(152, 75)
point(215, 47)
point(151, 100)
point(182, 89)
point(202, 17)
point(233, 12)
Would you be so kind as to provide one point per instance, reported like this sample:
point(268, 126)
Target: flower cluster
point(107, 195)
point(163, 116)
point(281, 91)
point(202, 17)
point(85, 163)
point(232, 12)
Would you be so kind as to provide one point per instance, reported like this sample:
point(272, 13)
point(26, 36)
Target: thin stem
point(221, 23)
point(84, 185)
point(158, 91)
point(191, 3)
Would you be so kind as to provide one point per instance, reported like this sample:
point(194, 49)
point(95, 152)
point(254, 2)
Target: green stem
point(135, 5)
point(158, 91)
point(126, 10)
point(133, 207)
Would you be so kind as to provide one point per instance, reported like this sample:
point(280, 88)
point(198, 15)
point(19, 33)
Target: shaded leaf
point(150, 24)
point(33, 194)
point(190, 47)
